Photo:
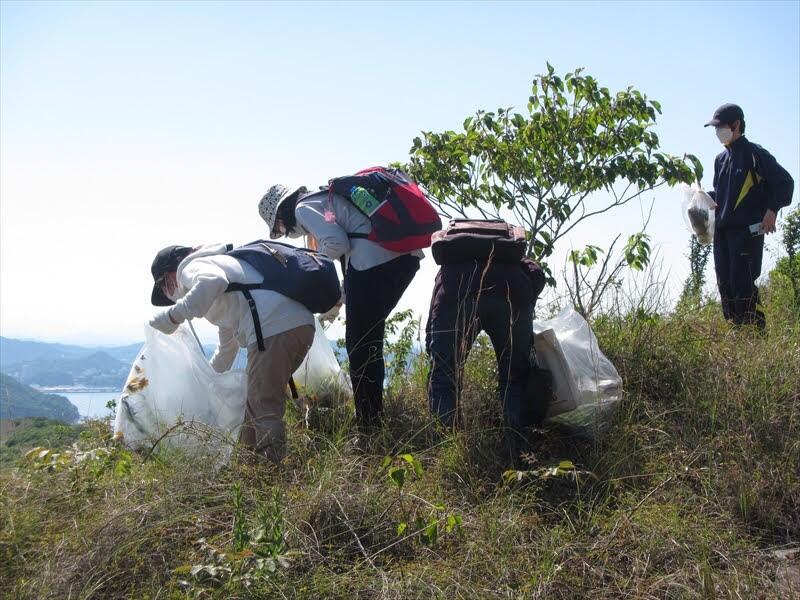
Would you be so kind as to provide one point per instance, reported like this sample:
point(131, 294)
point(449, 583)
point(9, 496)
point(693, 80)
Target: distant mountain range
point(68, 367)
point(19, 401)
point(61, 365)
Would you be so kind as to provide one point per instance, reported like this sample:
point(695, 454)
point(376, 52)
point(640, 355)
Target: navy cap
point(166, 261)
point(726, 114)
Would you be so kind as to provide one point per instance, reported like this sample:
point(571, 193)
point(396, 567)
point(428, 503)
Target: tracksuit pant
point(737, 262)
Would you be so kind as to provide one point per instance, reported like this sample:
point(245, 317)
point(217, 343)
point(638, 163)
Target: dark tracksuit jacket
point(747, 182)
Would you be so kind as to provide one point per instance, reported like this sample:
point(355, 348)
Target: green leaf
point(453, 523)
point(430, 532)
point(698, 167)
point(401, 528)
point(414, 462)
point(398, 476)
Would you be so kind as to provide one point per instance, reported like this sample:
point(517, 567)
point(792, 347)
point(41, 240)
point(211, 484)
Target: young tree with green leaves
point(791, 242)
point(699, 254)
point(579, 151)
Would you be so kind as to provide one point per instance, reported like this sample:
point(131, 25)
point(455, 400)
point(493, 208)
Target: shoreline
point(75, 390)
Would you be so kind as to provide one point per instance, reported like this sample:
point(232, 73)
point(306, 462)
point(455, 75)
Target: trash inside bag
point(698, 211)
point(586, 386)
point(173, 397)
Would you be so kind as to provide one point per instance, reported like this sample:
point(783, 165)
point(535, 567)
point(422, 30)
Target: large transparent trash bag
point(319, 377)
point(586, 386)
point(174, 397)
point(698, 212)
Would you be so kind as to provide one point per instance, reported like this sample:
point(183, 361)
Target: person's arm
point(778, 180)
point(535, 275)
point(332, 239)
point(226, 352)
point(206, 282)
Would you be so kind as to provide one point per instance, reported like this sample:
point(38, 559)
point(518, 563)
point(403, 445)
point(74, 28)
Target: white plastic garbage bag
point(586, 386)
point(698, 212)
point(172, 390)
point(172, 382)
point(320, 374)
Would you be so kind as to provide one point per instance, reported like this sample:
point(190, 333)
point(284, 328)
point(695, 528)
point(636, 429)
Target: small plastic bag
point(698, 212)
point(586, 386)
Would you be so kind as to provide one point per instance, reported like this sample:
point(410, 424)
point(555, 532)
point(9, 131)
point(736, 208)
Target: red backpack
point(402, 218)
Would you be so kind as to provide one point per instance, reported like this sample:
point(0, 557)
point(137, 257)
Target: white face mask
point(724, 134)
point(175, 295)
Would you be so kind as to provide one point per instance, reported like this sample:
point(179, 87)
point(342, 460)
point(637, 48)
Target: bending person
point(191, 282)
point(496, 297)
point(374, 279)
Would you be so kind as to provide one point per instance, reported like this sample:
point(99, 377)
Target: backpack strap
point(251, 303)
point(358, 236)
point(245, 289)
point(259, 335)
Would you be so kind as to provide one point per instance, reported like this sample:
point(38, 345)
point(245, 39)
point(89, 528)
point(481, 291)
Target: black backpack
point(466, 239)
point(303, 275)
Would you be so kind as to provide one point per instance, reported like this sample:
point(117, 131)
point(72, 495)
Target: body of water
point(91, 405)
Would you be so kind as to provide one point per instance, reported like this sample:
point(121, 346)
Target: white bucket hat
point(268, 205)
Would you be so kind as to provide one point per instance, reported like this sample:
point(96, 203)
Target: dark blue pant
point(371, 295)
point(451, 333)
point(737, 262)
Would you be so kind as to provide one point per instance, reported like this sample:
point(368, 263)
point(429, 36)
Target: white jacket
point(203, 277)
point(332, 238)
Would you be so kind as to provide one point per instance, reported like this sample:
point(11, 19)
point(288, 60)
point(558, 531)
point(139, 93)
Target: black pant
point(737, 262)
point(451, 333)
point(371, 296)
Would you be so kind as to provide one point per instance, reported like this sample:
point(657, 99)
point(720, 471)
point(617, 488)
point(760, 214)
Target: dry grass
point(687, 496)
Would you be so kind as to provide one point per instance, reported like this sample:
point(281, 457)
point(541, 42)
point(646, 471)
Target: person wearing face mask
point(374, 279)
point(192, 283)
point(750, 187)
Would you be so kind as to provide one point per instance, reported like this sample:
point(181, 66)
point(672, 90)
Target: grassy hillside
point(18, 400)
point(693, 493)
point(17, 436)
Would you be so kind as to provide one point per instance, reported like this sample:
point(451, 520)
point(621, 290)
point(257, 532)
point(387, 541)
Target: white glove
point(163, 321)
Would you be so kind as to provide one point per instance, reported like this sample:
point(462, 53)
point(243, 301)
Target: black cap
point(166, 261)
point(726, 114)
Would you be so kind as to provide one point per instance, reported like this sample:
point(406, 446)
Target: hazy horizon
point(125, 126)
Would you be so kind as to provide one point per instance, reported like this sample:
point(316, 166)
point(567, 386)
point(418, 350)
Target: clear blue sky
point(125, 127)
